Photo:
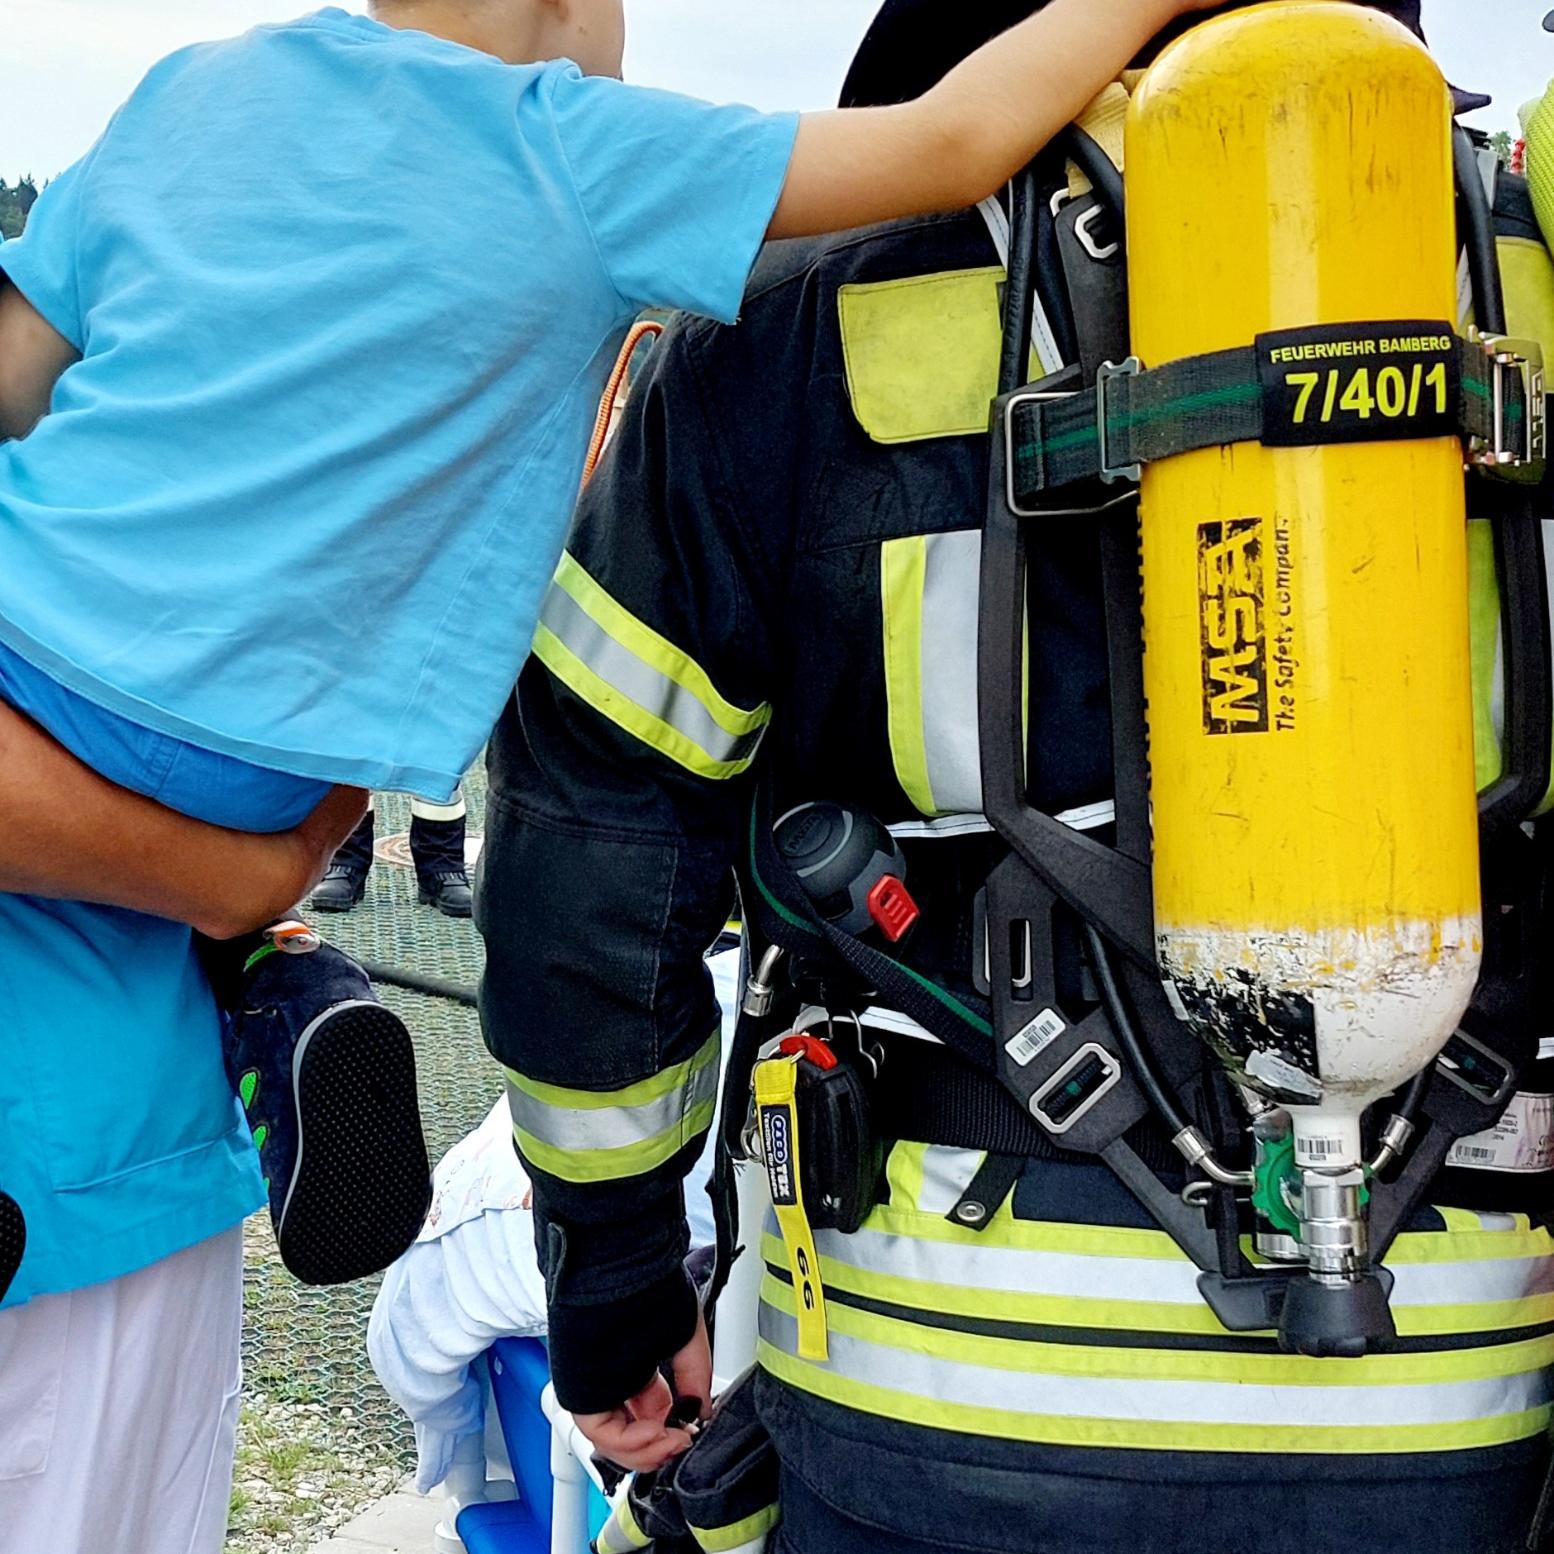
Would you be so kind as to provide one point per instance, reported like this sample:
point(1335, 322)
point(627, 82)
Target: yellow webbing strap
point(1103, 122)
point(776, 1091)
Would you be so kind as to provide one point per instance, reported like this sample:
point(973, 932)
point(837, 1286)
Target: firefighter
point(771, 586)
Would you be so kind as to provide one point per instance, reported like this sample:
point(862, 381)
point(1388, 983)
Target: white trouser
point(118, 1410)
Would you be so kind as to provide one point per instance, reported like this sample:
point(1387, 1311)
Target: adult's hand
point(278, 871)
point(638, 1434)
point(74, 836)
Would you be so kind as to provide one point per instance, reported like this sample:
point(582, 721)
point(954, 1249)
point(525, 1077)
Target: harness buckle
point(1495, 455)
point(1111, 473)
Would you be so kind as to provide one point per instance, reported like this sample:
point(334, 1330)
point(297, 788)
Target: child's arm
point(975, 130)
point(72, 835)
point(32, 356)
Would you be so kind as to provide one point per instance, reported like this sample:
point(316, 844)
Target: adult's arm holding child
point(964, 139)
point(72, 835)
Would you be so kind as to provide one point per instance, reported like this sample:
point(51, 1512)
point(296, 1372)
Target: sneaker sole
point(362, 1184)
point(13, 1241)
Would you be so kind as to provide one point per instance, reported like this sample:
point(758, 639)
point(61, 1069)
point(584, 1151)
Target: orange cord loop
point(612, 393)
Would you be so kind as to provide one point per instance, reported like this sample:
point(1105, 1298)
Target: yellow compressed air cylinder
point(1306, 607)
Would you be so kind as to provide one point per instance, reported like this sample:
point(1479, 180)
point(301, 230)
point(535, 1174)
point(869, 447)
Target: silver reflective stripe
point(1168, 1280)
point(1014, 1270)
point(579, 1129)
point(947, 1173)
point(640, 682)
point(1125, 1397)
point(952, 577)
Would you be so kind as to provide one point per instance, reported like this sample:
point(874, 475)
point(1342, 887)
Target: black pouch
point(840, 1152)
point(727, 1483)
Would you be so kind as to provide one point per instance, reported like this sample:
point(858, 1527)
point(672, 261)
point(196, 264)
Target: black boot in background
point(345, 880)
point(437, 846)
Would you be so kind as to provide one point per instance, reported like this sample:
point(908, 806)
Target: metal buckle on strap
point(1495, 455)
point(1110, 474)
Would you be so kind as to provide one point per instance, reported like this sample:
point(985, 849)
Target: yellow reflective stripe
point(608, 1165)
point(1428, 1246)
point(719, 1540)
point(599, 1136)
point(1034, 1357)
point(1484, 639)
point(1148, 1434)
point(621, 1534)
point(655, 650)
point(1469, 1243)
point(1481, 1317)
point(903, 569)
point(625, 713)
point(1030, 1235)
point(1460, 1220)
point(904, 1175)
point(638, 1094)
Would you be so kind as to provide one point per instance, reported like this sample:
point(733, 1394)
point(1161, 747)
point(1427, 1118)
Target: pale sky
point(69, 63)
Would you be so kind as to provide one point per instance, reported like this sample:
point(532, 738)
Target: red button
point(892, 908)
point(812, 1047)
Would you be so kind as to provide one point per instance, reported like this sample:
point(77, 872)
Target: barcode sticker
point(1030, 1041)
point(1522, 1141)
point(1318, 1150)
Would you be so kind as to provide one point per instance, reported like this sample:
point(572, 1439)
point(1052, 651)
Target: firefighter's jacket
point(775, 571)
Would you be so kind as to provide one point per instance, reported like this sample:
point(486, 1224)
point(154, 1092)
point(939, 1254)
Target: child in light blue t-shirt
point(298, 364)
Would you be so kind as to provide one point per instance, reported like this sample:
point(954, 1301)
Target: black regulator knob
point(850, 868)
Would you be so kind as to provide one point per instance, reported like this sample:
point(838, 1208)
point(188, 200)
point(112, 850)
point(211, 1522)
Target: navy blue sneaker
point(327, 1079)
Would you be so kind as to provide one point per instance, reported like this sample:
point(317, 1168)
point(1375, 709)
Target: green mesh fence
point(319, 1437)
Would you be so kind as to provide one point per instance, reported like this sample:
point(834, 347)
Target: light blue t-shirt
point(346, 298)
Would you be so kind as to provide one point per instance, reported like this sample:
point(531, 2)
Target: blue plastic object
point(520, 1371)
point(507, 1528)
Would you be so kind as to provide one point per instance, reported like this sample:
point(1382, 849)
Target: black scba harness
point(1025, 1073)
point(1063, 449)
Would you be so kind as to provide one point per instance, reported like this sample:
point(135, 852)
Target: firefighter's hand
point(638, 1435)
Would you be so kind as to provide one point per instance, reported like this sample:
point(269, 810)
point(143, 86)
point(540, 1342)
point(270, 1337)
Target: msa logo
point(1232, 625)
point(776, 1141)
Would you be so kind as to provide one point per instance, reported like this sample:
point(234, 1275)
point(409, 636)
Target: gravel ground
point(318, 1439)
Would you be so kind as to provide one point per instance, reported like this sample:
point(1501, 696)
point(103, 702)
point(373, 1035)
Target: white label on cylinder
point(1320, 1151)
point(1326, 1140)
point(1522, 1141)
